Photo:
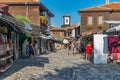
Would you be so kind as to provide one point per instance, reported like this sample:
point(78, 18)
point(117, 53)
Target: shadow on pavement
point(86, 71)
point(48, 52)
point(22, 63)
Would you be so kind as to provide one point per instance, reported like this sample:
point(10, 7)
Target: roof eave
point(104, 10)
point(42, 7)
point(20, 3)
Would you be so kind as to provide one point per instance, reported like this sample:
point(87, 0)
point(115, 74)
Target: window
point(66, 20)
point(90, 20)
point(100, 20)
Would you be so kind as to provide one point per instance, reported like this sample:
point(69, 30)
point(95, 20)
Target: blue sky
point(70, 7)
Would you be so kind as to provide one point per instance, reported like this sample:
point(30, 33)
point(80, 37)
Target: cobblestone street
point(60, 66)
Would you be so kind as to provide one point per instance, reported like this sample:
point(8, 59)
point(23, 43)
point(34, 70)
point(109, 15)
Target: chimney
point(107, 1)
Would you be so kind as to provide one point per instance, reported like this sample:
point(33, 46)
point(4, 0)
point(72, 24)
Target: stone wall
point(84, 17)
point(30, 11)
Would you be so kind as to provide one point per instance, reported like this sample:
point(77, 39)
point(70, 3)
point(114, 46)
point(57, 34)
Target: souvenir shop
point(107, 47)
point(9, 43)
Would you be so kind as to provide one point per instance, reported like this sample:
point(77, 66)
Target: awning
point(113, 29)
point(112, 22)
point(28, 26)
point(16, 25)
point(65, 41)
point(45, 37)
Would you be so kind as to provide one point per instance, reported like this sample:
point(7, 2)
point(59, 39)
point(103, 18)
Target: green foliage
point(22, 19)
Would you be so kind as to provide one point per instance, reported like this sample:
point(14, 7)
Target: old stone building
point(93, 19)
point(58, 32)
point(27, 8)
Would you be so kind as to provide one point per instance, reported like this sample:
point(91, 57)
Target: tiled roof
point(112, 6)
point(2, 5)
point(56, 28)
point(70, 27)
point(19, 0)
point(66, 28)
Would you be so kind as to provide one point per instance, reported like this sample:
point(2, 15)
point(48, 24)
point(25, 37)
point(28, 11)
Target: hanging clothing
point(114, 46)
point(88, 49)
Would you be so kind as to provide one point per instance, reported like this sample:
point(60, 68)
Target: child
point(88, 48)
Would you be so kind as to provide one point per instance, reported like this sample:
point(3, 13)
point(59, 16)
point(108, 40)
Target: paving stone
point(60, 66)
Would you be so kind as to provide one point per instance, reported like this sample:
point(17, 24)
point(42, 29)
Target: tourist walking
point(35, 45)
point(31, 49)
point(88, 48)
point(76, 47)
point(73, 46)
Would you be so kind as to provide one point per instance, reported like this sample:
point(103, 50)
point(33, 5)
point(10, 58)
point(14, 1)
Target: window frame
point(98, 23)
point(88, 20)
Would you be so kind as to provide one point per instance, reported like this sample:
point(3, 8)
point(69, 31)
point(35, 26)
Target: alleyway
point(60, 66)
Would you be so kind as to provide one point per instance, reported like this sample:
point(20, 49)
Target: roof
point(112, 22)
point(18, 26)
point(57, 29)
point(66, 28)
point(43, 8)
point(66, 15)
point(3, 5)
point(19, 0)
point(115, 6)
point(70, 27)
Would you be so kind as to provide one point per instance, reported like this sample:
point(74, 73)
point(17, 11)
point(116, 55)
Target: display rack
point(6, 59)
point(6, 53)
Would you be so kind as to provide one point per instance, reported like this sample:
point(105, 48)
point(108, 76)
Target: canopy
point(65, 41)
point(116, 28)
point(28, 26)
point(46, 37)
point(113, 22)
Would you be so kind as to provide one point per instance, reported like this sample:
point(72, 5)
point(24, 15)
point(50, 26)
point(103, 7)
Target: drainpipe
point(26, 14)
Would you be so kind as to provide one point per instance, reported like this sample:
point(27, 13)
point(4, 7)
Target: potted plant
point(100, 26)
point(89, 26)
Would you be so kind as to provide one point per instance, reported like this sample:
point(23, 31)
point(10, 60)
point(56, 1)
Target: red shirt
point(88, 49)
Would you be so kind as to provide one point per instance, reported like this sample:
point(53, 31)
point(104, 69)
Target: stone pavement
point(60, 66)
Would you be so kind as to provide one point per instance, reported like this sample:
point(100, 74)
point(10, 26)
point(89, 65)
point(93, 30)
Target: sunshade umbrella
point(65, 41)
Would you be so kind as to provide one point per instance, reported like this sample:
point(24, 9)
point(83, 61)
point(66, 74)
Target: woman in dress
point(88, 48)
point(31, 49)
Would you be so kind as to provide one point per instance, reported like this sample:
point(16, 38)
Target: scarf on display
point(114, 44)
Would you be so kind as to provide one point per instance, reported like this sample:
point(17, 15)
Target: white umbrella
point(116, 28)
point(65, 41)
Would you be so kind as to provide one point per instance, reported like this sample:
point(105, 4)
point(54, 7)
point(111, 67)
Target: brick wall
point(84, 17)
point(59, 34)
point(115, 16)
point(33, 12)
point(4, 10)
